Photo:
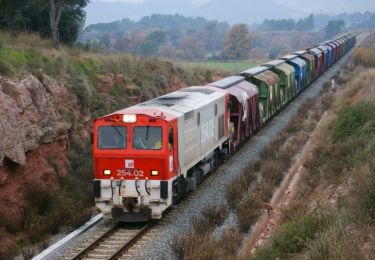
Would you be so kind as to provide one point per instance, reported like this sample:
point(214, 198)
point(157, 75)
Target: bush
point(234, 191)
point(336, 243)
point(211, 217)
point(364, 56)
point(249, 211)
point(230, 241)
point(195, 246)
point(292, 237)
point(352, 121)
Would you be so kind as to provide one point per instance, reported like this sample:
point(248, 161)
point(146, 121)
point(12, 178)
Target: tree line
point(61, 20)
point(305, 24)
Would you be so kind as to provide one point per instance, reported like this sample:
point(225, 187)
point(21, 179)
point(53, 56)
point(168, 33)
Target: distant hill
point(233, 11)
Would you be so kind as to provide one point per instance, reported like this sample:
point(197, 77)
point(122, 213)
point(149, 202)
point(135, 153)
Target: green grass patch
point(232, 66)
point(357, 121)
point(294, 236)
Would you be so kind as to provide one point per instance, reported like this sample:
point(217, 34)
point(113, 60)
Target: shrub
point(292, 237)
point(336, 243)
point(364, 56)
point(230, 241)
point(249, 211)
point(295, 209)
point(211, 217)
point(352, 121)
point(234, 191)
point(195, 246)
point(363, 194)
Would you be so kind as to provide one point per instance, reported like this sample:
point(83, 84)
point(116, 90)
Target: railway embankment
point(48, 99)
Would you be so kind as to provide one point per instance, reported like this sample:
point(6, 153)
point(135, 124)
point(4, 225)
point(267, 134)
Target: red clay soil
point(13, 179)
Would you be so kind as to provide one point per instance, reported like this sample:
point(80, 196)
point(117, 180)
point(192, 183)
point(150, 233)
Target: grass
point(232, 66)
point(294, 236)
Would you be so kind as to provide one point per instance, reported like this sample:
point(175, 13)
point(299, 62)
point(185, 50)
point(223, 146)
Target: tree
point(306, 24)
point(56, 9)
point(191, 48)
point(334, 27)
point(10, 12)
point(237, 44)
point(34, 15)
point(152, 43)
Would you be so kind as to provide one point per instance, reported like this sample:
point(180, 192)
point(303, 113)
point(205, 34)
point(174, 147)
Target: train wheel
point(178, 189)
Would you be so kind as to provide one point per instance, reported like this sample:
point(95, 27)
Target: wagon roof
point(227, 82)
point(300, 62)
point(268, 77)
point(308, 56)
point(253, 71)
point(273, 63)
point(288, 69)
point(289, 57)
point(300, 52)
point(322, 47)
point(243, 90)
point(316, 51)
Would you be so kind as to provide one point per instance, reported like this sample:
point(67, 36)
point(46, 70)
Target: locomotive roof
point(183, 100)
point(300, 52)
point(175, 103)
point(227, 82)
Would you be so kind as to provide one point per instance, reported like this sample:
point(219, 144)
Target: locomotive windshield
point(147, 138)
point(112, 137)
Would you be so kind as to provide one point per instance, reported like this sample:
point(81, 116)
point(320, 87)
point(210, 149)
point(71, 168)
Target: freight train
point(149, 156)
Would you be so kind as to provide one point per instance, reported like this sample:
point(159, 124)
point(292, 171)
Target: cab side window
point(170, 138)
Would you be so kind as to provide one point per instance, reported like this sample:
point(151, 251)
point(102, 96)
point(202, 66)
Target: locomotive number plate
point(130, 173)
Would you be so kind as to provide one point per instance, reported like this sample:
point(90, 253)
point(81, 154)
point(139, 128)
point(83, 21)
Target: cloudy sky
point(225, 10)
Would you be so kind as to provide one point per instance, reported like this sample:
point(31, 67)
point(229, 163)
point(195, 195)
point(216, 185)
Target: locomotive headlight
point(154, 173)
point(107, 172)
point(130, 118)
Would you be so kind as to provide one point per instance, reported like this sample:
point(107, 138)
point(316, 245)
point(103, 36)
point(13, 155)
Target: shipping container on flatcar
point(243, 107)
point(267, 82)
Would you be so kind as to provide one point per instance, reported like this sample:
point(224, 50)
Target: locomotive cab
point(134, 159)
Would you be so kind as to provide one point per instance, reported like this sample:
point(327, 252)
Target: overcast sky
point(111, 10)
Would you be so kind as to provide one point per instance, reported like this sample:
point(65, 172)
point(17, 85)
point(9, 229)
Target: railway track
point(113, 243)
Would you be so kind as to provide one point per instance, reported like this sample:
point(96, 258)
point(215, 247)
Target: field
point(232, 66)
